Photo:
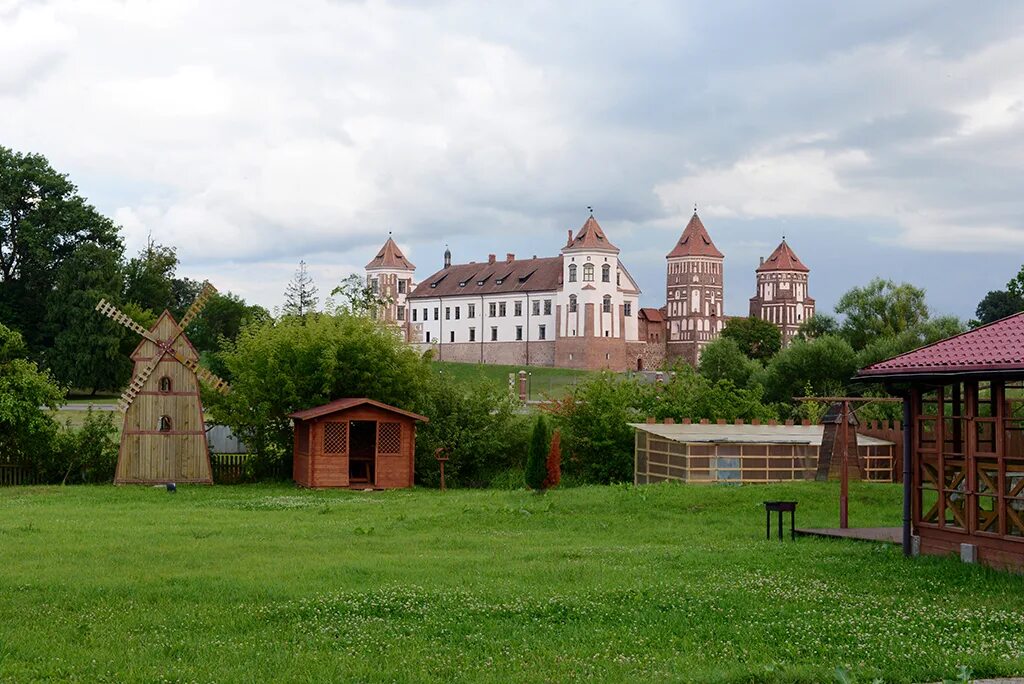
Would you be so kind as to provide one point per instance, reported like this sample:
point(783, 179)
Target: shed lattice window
point(335, 438)
point(389, 438)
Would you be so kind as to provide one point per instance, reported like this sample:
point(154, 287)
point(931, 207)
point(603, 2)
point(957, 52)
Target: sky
point(881, 138)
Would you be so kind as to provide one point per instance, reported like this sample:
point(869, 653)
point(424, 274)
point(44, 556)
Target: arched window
point(572, 303)
point(165, 384)
point(607, 306)
point(572, 273)
point(606, 274)
point(588, 273)
point(164, 424)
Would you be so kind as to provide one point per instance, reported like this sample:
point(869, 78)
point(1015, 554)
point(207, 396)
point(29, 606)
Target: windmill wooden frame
point(163, 437)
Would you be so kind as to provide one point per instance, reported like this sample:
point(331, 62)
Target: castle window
point(547, 307)
point(401, 313)
point(588, 273)
point(542, 332)
point(458, 311)
point(374, 285)
point(471, 313)
point(165, 384)
point(414, 312)
point(437, 313)
point(618, 278)
point(606, 274)
point(164, 424)
point(493, 309)
point(447, 313)
point(627, 308)
point(572, 303)
point(451, 336)
point(572, 273)
point(472, 334)
point(519, 333)
point(501, 308)
point(518, 308)
point(607, 305)
point(494, 333)
point(536, 307)
point(401, 287)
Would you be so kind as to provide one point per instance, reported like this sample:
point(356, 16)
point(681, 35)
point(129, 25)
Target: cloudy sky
point(882, 138)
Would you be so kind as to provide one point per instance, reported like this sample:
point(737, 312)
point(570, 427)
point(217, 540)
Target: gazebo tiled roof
point(695, 241)
point(783, 259)
point(994, 348)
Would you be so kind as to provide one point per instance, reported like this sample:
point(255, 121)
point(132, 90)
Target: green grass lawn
point(666, 583)
point(543, 382)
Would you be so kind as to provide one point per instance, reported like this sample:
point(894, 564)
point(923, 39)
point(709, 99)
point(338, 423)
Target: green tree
point(43, 221)
point(881, 308)
point(537, 458)
point(88, 348)
point(925, 332)
point(817, 326)
point(723, 360)
point(690, 395)
point(84, 454)
point(359, 298)
point(824, 365)
point(149, 278)
point(223, 317)
point(998, 304)
point(758, 339)
point(27, 429)
point(300, 295)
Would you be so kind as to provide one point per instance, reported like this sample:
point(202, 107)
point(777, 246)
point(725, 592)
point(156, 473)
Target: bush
point(85, 454)
point(536, 460)
point(27, 430)
point(554, 463)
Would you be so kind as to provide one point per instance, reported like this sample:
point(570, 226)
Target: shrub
point(85, 454)
point(554, 464)
point(536, 460)
point(27, 429)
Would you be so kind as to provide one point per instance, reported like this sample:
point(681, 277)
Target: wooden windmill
point(164, 437)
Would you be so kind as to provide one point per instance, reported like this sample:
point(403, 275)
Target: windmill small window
point(164, 424)
point(165, 384)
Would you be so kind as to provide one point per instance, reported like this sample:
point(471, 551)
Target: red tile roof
point(351, 402)
point(390, 257)
point(695, 241)
point(591, 236)
point(783, 259)
point(653, 315)
point(996, 347)
point(518, 275)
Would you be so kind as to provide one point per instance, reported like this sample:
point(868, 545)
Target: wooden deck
point(888, 535)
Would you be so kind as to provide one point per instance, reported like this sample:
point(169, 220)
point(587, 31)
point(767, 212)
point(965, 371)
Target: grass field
point(543, 382)
point(270, 583)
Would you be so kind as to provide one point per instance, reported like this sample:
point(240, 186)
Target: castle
point(580, 309)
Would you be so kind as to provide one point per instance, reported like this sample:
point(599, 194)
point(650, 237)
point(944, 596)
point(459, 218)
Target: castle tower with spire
point(782, 297)
point(390, 276)
point(695, 291)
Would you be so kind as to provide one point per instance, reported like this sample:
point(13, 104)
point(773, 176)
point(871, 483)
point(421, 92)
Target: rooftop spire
point(695, 240)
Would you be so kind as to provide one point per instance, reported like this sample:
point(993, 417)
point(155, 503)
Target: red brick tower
point(782, 296)
point(694, 293)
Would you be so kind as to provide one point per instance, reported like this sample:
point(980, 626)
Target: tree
point(998, 304)
point(881, 308)
point(149, 278)
point(300, 295)
point(554, 463)
point(223, 317)
point(536, 459)
point(824, 366)
point(43, 221)
point(26, 427)
point(817, 326)
point(757, 339)
point(360, 298)
point(88, 348)
point(925, 332)
point(723, 360)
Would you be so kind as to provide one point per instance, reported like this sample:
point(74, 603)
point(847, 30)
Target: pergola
point(964, 446)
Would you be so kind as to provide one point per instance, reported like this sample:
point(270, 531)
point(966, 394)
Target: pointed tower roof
point(591, 236)
point(783, 259)
point(390, 256)
point(695, 241)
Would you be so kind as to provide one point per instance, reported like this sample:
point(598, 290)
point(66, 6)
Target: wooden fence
point(17, 474)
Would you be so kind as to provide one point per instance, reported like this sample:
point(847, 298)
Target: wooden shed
point(358, 443)
point(964, 452)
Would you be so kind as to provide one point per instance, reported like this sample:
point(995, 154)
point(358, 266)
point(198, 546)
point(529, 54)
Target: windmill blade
point(215, 383)
point(197, 306)
point(138, 381)
point(115, 314)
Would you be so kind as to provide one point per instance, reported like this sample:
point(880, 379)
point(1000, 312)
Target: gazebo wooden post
point(844, 476)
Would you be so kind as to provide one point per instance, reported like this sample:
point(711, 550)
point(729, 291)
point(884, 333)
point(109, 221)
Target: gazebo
point(964, 442)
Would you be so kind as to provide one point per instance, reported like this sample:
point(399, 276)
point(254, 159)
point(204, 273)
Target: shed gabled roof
point(996, 348)
point(518, 275)
point(591, 236)
point(351, 402)
point(783, 259)
point(390, 256)
point(695, 241)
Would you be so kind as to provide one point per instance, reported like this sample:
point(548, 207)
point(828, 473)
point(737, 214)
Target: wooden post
point(844, 477)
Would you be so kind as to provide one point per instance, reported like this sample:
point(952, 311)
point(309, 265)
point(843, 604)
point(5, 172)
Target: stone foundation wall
point(650, 354)
point(501, 353)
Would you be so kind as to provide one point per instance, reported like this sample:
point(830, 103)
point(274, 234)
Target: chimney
point(491, 258)
point(509, 257)
point(570, 238)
